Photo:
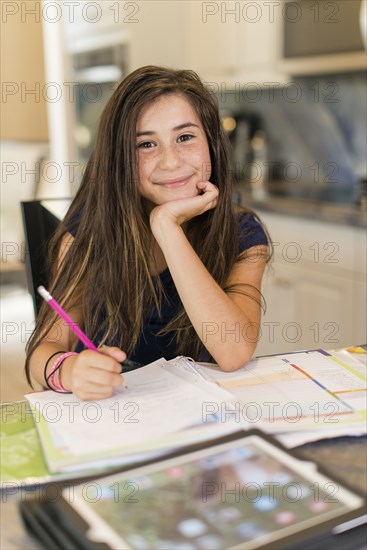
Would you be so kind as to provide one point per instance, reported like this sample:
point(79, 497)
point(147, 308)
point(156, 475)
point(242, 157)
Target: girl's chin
point(183, 193)
point(174, 194)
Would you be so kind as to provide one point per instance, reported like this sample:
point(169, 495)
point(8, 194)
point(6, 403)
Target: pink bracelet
point(54, 378)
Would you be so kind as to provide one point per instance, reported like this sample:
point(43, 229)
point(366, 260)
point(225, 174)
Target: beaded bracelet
point(45, 377)
point(54, 378)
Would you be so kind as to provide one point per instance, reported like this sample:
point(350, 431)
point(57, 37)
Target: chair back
point(39, 224)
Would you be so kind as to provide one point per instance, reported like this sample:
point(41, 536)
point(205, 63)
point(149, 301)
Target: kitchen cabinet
point(160, 34)
point(211, 49)
point(315, 286)
point(235, 42)
point(228, 43)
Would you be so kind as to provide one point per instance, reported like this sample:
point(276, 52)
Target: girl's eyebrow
point(179, 127)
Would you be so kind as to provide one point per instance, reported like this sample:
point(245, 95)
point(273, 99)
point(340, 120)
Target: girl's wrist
point(53, 378)
point(158, 218)
point(164, 227)
point(66, 370)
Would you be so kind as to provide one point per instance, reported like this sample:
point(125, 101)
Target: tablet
point(246, 493)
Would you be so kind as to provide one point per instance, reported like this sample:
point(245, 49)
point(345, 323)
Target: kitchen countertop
point(305, 208)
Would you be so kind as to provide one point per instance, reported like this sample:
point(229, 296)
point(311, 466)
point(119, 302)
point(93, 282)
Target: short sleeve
point(250, 231)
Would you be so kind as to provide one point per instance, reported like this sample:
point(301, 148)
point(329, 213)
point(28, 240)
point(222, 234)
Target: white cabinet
point(229, 43)
point(211, 47)
point(160, 35)
point(236, 42)
point(315, 287)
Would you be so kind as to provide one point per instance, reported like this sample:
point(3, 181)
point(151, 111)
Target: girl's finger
point(102, 361)
point(101, 378)
point(203, 185)
point(114, 352)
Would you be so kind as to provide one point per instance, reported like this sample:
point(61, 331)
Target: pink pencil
point(126, 365)
point(62, 313)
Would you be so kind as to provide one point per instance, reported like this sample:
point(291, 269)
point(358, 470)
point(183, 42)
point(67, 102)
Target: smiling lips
point(177, 182)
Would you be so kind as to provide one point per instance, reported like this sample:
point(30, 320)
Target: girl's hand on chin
point(179, 211)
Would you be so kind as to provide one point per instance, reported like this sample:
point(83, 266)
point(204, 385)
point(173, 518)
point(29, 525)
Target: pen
point(130, 365)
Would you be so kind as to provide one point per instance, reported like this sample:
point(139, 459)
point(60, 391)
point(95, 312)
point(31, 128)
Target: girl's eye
point(185, 137)
point(145, 145)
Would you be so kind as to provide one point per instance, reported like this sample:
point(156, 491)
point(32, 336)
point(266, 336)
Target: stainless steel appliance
point(96, 74)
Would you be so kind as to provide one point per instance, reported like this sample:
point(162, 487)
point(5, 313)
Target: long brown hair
point(106, 270)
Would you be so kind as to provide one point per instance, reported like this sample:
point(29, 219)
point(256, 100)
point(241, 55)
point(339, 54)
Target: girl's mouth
point(175, 182)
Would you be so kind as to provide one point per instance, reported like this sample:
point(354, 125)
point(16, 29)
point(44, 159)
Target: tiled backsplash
point(315, 131)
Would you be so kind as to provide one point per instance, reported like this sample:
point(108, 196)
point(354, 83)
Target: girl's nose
point(170, 158)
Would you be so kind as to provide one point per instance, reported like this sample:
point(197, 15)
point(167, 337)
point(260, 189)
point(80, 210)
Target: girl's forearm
point(219, 322)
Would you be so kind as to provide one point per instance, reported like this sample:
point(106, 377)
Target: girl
point(152, 259)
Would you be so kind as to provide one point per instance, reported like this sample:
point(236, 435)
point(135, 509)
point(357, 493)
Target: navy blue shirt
point(152, 346)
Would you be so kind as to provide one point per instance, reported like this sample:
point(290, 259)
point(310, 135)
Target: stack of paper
point(300, 396)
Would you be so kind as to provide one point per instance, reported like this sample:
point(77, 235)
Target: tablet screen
point(247, 493)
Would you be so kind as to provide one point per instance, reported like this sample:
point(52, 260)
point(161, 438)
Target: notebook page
point(157, 402)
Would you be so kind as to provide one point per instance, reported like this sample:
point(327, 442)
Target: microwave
point(324, 36)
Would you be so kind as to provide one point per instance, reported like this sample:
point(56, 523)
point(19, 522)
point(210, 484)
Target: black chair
point(39, 225)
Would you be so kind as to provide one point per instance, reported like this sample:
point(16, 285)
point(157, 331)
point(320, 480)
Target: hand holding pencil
point(93, 373)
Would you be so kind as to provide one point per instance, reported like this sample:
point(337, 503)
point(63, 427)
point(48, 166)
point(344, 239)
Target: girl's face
point(172, 150)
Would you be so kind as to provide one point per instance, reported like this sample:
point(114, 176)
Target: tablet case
point(57, 526)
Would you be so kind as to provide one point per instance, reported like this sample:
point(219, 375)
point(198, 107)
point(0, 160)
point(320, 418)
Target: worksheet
point(305, 390)
point(159, 400)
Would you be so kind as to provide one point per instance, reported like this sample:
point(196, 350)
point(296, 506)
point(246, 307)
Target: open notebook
point(165, 405)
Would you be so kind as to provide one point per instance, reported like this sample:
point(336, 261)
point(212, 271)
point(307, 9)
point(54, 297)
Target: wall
point(23, 116)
